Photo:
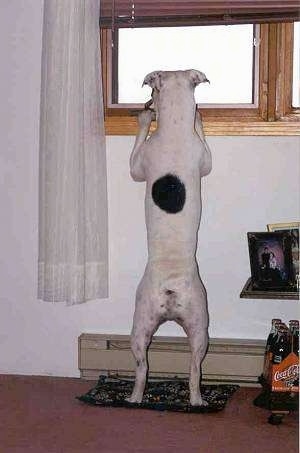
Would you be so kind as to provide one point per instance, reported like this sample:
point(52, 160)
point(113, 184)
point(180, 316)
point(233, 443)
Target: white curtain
point(73, 196)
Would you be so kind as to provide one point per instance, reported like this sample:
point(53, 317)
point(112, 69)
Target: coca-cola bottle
point(294, 329)
point(294, 332)
point(281, 348)
point(270, 341)
point(296, 349)
point(296, 341)
point(273, 331)
point(293, 323)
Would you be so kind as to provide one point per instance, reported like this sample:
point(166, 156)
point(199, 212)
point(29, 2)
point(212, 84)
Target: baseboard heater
point(227, 361)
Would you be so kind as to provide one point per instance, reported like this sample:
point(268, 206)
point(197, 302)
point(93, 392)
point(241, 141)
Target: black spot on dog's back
point(168, 193)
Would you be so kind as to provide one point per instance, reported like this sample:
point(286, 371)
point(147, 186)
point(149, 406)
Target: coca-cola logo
point(288, 373)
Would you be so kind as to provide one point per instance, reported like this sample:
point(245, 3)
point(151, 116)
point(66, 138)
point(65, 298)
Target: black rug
point(172, 395)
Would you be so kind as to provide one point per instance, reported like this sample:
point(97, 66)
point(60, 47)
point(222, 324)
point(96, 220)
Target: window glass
point(224, 53)
point(296, 66)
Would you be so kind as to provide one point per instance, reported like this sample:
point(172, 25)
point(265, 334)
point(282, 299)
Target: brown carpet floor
point(41, 415)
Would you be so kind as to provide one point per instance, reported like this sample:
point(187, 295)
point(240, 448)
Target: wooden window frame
point(273, 115)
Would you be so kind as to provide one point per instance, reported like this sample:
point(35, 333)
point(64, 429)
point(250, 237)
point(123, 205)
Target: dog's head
point(157, 79)
point(161, 80)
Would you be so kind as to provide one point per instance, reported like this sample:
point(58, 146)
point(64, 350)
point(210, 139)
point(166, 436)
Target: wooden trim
point(272, 72)
point(123, 125)
point(276, 65)
point(273, 115)
point(227, 360)
point(263, 72)
point(284, 80)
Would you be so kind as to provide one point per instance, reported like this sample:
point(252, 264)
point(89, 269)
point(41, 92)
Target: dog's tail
point(171, 299)
point(169, 292)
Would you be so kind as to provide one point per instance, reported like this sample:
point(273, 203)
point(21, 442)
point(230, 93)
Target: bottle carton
point(284, 376)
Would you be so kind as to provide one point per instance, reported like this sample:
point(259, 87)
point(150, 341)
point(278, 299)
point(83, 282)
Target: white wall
point(255, 181)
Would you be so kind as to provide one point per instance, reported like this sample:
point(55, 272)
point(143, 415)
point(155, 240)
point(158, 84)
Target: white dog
point(171, 161)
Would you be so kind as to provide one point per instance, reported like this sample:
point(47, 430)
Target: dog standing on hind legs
point(171, 161)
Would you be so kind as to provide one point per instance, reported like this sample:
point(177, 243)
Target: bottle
point(281, 347)
point(269, 345)
point(293, 323)
point(294, 332)
point(277, 325)
point(272, 332)
point(295, 348)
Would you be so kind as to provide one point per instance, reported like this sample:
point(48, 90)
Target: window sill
point(124, 125)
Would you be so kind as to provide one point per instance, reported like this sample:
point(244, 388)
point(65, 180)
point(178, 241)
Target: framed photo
point(293, 229)
point(271, 261)
point(283, 226)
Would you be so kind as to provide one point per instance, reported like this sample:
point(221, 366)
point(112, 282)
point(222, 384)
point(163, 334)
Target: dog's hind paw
point(133, 400)
point(198, 402)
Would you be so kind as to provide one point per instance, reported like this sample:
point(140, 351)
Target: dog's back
point(172, 158)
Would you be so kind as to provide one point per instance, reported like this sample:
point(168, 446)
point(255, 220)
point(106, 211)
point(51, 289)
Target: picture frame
point(273, 227)
point(293, 228)
point(271, 261)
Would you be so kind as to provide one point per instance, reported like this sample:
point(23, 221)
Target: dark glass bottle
point(296, 341)
point(273, 332)
point(281, 348)
point(275, 337)
point(294, 332)
point(269, 345)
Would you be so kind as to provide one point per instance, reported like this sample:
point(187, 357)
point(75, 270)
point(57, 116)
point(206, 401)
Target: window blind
point(149, 13)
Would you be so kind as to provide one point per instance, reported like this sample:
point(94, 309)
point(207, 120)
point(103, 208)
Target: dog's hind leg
point(198, 339)
point(140, 340)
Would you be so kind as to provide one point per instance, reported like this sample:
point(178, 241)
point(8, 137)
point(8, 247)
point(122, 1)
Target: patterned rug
point(172, 395)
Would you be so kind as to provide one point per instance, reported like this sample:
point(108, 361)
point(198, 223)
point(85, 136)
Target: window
point(254, 77)
point(214, 50)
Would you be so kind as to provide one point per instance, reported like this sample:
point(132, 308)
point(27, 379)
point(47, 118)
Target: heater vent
point(237, 361)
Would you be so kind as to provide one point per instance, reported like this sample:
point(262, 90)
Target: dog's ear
point(153, 79)
point(197, 77)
